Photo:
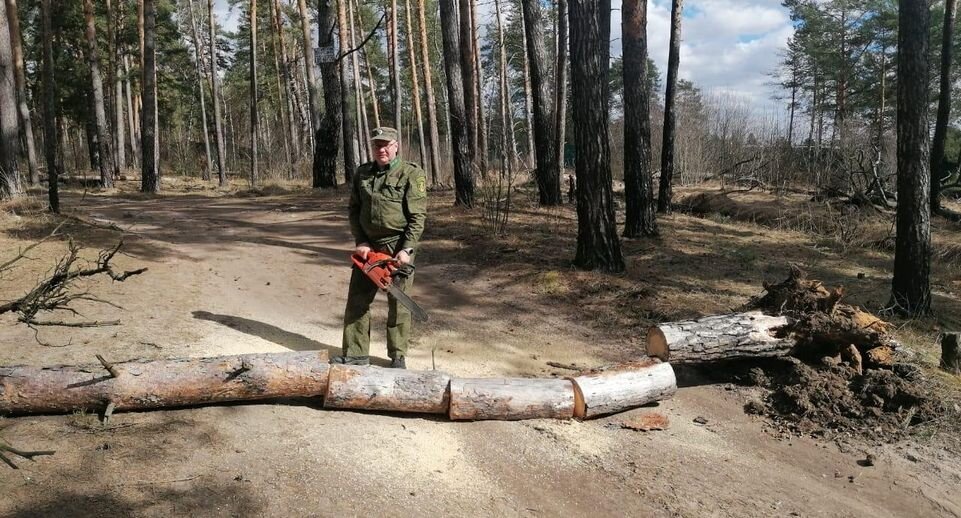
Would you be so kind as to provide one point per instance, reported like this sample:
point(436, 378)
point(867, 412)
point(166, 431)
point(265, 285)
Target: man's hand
point(362, 250)
point(402, 257)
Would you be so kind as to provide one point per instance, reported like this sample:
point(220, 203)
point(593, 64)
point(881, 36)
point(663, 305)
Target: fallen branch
point(29, 455)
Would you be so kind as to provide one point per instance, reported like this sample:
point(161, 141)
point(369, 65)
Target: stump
point(398, 390)
point(721, 337)
point(510, 399)
point(950, 353)
point(621, 387)
point(176, 382)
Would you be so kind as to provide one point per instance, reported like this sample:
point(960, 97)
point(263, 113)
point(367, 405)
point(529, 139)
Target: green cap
point(384, 133)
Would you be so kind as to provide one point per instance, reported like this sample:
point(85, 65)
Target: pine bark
point(460, 140)
point(288, 81)
point(638, 184)
point(50, 133)
point(360, 109)
point(113, 18)
point(347, 118)
point(10, 184)
point(560, 84)
point(509, 399)
point(254, 116)
point(215, 93)
point(131, 123)
point(944, 107)
point(286, 112)
point(720, 337)
point(411, 55)
point(528, 100)
point(372, 87)
point(665, 189)
point(911, 289)
point(325, 153)
point(395, 67)
point(432, 124)
point(548, 172)
point(621, 387)
point(26, 122)
point(150, 167)
point(106, 161)
point(468, 78)
point(479, 86)
point(313, 94)
point(598, 245)
point(201, 79)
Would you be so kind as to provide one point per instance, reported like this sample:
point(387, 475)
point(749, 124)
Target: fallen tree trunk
point(398, 390)
point(508, 399)
point(621, 387)
point(146, 384)
point(721, 337)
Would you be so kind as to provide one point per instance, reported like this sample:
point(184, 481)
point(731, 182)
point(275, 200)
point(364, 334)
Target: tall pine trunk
point(325, 154)
point(395, 67)
point(360, 110)
point(479, 86)
point(120, 139)
point(50, 134)
point(460, 142)
point(638, 184)
point(666, 188)
point(312, 88)
point(106, 162)
point(468, 79)
point(286, 113)
point(131, 123)
point(548, 172)
point(201, 79)
point(528, 100)
point(432, 125)
point(10, 184)
point(215, 94)
point(944, 108)
point(560, 84)
point(911, 289)
point(418, 117)
point(288, 81)
point(150, 170)
point(347, 118)
point(254, 116)
point(25, 121)
point(598, 246)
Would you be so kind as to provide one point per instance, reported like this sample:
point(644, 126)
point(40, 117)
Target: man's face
point(385, 151)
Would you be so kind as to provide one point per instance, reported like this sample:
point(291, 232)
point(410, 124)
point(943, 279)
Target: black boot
point(398, 363)
point(351, 360)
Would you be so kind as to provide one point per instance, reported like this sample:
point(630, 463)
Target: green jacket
point(388, 206)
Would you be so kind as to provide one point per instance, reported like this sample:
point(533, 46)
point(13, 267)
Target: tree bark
point(638, 184)
point(116, 94)
point(149, 164)
point(509, 399)
point(254, 116)
point(528, 99)
point(26, 122)
point(106, 162)
point(372, 87)
point(944, 107)
point(50, 134)
point(951, 353)
point(598, 246)
point(468, 78)
point(201, 79)
point(395, 67)
point(286, 111)
point(288, 81)
point(147, 384)
point(911, 290)
point(548, 171)
point(411, 55)
point(621, 387)
point(460, 141)
point(479, 86)
point(395, 390)
point(666, 188)
point(215, 93)
point(720, 337)
point(313, 94)
point(10, 184)
point(432, 124)
point(360, 110)
point(347, 118)
point(325, 153)
point(508, 145)
point(132, 125)
point(560, 84)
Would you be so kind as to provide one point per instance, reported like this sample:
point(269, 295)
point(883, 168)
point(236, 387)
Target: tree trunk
point(598, 246)
point(548, 171)
point(198, 57)
point(10, 184)
point(215, 94)
point(131, 123)
point(50, 134)
point(117, 89)
point(395, 67)
point(149, 164)
point(146, 384)
point(468, 78)
point(509, 399)
point(325, 154)
point(27, 123)
point(528, 100)
point(666, 188)
point(479, 87)
point(508, 151)
point(720, 337)
point(460, 140)
point(638, 184)
point(286, 113)
point(347, 119)
point(944, 107)
point(951, 353)
point(313, 94)
point(560, 84)
point(911, 290)
point(621, 387)
point(254, 116)
point(288, 82)
point(418, 116)
point(107, 171)
point(395, 390)
point(432, 123)
point(360, 110)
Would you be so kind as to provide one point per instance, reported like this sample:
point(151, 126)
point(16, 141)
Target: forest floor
point(238, 272)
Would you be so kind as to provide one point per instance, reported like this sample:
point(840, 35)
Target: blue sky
point(727, 46)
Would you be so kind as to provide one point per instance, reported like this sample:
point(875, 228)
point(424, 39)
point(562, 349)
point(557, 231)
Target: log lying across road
point(721, 337)
point(142, 385)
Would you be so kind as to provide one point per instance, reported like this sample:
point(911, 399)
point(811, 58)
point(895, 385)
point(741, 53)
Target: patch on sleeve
point(421, 185)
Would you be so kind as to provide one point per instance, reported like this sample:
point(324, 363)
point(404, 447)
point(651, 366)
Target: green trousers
point(360, 295)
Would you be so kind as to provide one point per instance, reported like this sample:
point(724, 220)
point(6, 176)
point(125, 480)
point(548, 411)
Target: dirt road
point(234, 275)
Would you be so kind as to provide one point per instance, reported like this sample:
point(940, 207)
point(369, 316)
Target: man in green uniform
point(388, 208)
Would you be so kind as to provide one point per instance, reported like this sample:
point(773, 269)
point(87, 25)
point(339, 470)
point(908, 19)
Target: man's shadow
point(271, 333)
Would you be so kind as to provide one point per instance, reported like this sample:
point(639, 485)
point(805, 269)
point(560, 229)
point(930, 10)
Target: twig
point(109, 366)
point(156, 482)
point(29, 455)
point(570, 367)
point(361, 45)
point(23, 253)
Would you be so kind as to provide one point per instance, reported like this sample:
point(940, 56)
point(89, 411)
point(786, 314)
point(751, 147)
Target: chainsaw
point(381, 270)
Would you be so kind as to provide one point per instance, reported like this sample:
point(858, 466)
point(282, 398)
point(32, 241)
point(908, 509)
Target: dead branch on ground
point(29, 455)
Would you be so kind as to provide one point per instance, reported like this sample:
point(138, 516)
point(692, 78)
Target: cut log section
point(146, 384)
point(621, 387)
point(509, 399)
point(721, 337)
point(398, 390)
